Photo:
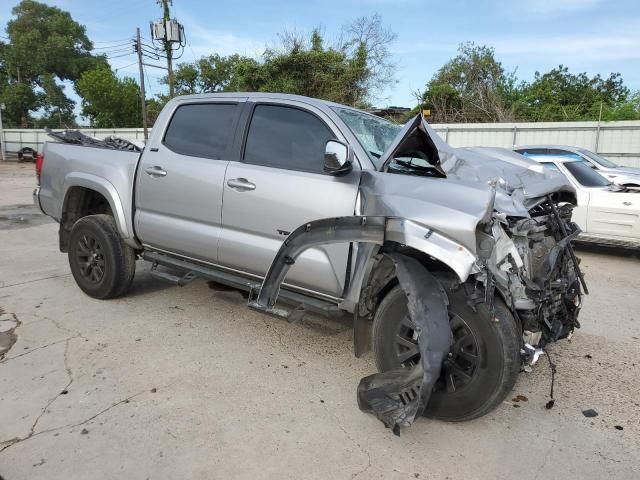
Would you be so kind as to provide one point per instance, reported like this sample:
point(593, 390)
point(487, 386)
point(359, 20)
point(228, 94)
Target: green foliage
point(214, 73)
point(46, 47)
point(559, 95)
point(350, 71)
point(474, 87)
point(108, 101)
point(470, 87)
point(628, 109)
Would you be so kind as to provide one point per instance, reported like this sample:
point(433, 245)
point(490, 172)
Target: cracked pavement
point(173, 382)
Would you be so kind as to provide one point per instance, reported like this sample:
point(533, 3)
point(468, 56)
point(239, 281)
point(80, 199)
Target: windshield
point(585, 175)
point(598, 159)
point(375, 134)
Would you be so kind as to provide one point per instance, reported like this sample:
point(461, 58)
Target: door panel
point(179, 187)
point(615, 214)
point(280, 187)
point(256, 222)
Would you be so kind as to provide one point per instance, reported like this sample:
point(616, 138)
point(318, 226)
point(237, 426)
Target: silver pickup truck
point(456, 266)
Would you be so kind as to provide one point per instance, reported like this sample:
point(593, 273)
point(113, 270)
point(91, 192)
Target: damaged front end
point(500, 226)
point(530, 263)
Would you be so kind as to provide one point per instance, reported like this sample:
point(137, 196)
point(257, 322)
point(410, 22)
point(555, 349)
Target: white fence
point(619, 141)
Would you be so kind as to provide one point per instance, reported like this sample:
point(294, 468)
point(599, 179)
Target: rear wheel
point(483, 363)
point(101, 263)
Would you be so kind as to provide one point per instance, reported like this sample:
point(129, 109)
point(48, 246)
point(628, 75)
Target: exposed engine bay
point(531, 264)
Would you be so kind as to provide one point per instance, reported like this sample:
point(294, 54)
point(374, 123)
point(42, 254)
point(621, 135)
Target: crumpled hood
point(478, 181)
point(447, 205)
point(519, 182)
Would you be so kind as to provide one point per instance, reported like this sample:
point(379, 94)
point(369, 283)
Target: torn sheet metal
point(363, 230)
point(399, 396)
point(319, 232)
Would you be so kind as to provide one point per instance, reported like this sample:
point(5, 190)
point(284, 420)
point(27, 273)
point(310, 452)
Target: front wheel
point(482, 366)
point(102, 265)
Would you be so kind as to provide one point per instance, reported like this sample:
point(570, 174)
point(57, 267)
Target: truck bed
point(106, 170)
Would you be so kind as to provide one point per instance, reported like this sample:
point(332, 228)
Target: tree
point(108, 101)
point(368, 40)
point(470, 87)
point(629, 109)
point(351, 71)
point(213, 73)
point(474, 87)
point(559, 95)
point(46, 46)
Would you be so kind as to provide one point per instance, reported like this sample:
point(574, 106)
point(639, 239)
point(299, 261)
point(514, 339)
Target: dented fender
point(363, 230)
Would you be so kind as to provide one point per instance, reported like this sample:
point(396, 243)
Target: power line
point(118, 56)
point(115, 41)
point(126, 66)
point(148, 81)
point(112, 46)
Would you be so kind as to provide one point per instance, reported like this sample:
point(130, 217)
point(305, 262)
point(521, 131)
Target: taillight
point(39, 162)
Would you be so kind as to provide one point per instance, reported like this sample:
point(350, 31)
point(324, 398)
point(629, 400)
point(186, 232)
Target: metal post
point(167, 46)
point(142, 92)
point(3, 149)
point(515, 135)
point(598, 128)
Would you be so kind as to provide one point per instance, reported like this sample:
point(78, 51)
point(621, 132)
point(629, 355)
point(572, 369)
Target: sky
point(593, 36)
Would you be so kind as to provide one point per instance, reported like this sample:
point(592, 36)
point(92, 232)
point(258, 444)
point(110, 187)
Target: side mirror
point(337, 158)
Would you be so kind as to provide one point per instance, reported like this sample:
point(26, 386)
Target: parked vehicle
point(606, 213)
point(625, 176)
point(456, 267)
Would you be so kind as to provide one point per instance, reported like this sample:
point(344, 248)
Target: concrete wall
point(619, 141)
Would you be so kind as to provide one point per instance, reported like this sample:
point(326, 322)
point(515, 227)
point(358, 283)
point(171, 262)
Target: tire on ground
point(497, 348)
point(119, 258)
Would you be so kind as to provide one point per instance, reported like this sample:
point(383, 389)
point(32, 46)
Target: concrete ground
point(188, 383)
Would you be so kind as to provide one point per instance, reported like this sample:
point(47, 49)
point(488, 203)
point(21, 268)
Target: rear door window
point(286, 137)
point(202, 130)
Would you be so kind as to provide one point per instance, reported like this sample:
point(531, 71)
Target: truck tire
point(102, 265)
point(483, 363)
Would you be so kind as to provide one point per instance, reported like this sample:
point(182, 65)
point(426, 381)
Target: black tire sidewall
point(498, 348)
point(103, 229)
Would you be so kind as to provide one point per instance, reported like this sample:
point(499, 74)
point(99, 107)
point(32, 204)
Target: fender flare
point(365, 230)
point(103, 187)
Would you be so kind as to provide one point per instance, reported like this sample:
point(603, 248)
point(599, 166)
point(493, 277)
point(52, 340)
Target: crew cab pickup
point(456, 266)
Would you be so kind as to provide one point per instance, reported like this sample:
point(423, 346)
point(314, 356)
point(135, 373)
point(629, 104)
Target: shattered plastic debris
point(399, 396)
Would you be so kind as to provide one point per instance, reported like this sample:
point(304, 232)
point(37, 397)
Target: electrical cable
point(113, 46)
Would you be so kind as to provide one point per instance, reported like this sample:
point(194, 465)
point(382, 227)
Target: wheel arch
point(86, 194)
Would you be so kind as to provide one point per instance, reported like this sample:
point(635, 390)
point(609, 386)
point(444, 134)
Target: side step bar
point(299, 301)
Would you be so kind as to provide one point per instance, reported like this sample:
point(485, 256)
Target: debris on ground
point(590, 413)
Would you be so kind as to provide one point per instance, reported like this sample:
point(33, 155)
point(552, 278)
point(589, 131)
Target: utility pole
point(142, 92)
point(3, 148)
point(167, 46)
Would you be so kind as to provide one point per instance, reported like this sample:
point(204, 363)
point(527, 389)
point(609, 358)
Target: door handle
point(156, 171)
point(241, 184)
point(628, 204)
